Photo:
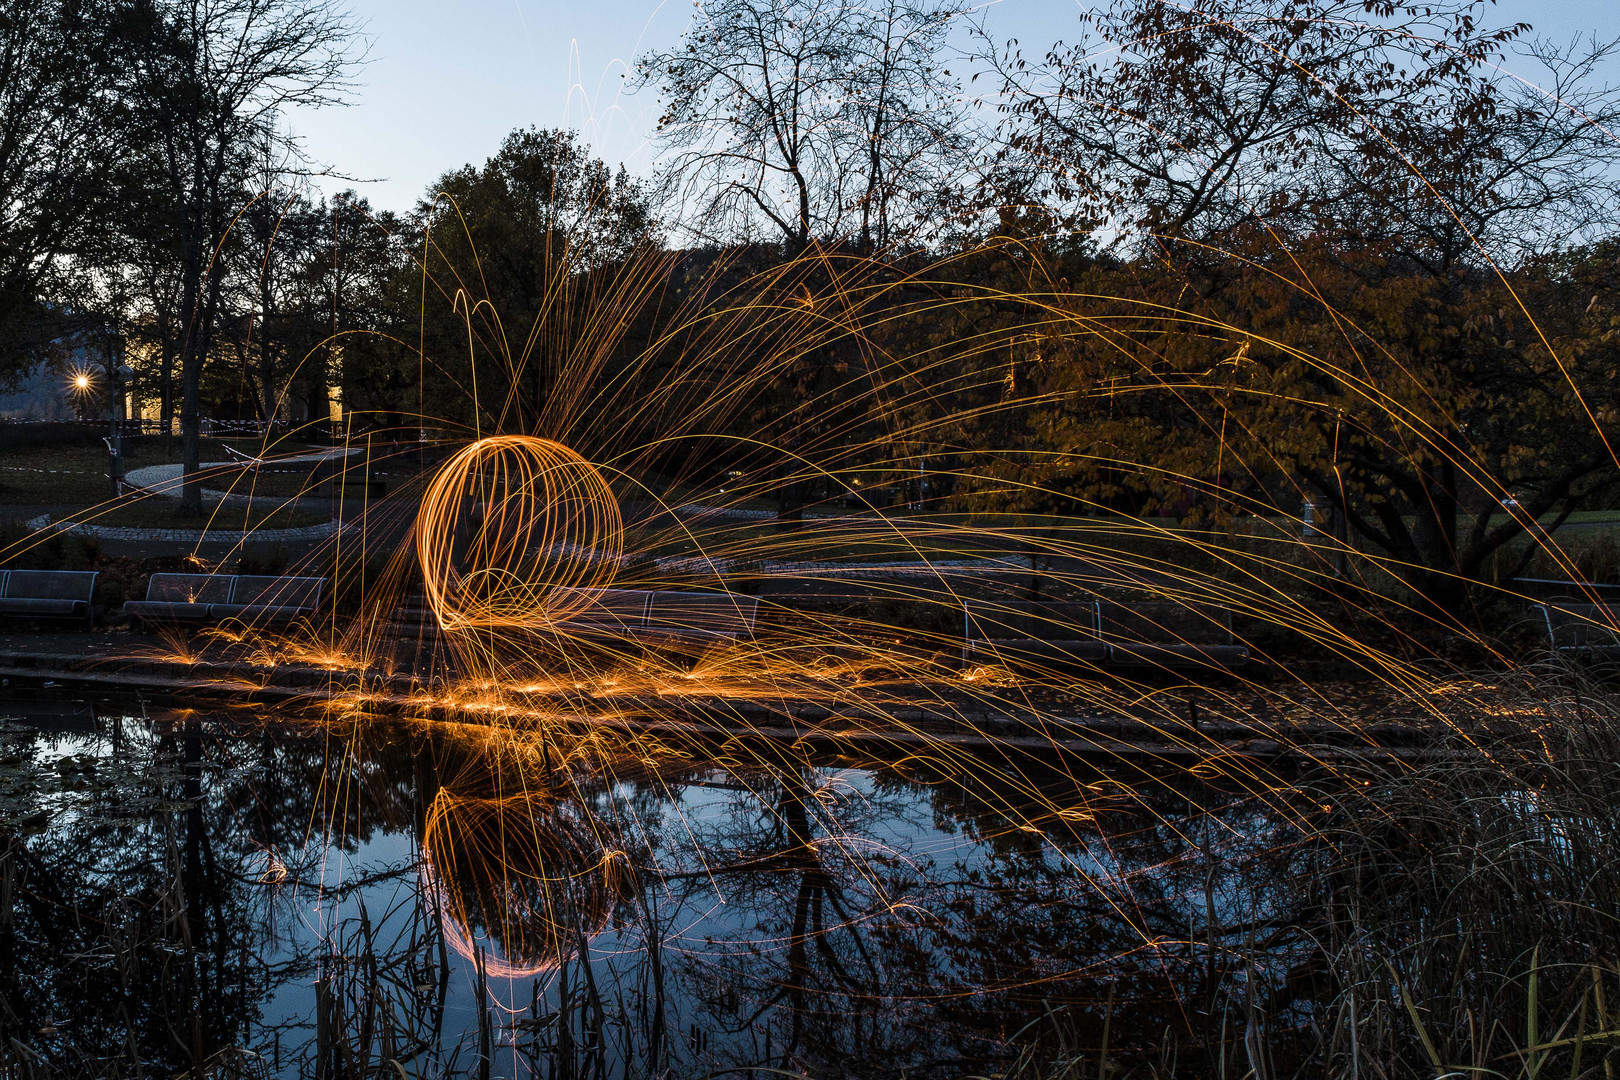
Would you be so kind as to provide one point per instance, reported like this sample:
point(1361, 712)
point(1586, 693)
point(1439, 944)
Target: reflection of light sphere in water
point(510, 529)
point(519, 877)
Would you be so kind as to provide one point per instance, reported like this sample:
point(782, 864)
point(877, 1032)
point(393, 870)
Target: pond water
point(296, 898)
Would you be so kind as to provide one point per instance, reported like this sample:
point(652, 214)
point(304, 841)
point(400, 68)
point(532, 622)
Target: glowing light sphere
point(511, 530)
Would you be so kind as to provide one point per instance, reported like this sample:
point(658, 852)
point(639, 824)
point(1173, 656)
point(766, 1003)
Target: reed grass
point(1464, 917)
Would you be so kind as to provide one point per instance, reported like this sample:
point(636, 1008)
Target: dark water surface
point(300, 899)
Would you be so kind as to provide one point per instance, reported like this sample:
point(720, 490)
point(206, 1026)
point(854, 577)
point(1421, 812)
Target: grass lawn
point(277, 481)
point(35, 475)
point(161, 514)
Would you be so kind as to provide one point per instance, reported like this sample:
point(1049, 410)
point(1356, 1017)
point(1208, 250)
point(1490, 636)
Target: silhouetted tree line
point(1218, 258)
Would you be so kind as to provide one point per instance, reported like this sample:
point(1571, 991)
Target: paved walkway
point(318, 531)
point(166, 480)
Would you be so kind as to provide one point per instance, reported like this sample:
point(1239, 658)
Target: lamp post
point(117, 374)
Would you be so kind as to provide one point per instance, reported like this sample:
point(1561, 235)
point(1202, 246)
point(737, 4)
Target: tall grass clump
point(1470, 907)
point(1461, 916)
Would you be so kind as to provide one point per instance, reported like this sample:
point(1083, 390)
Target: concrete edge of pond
point(1093, 738)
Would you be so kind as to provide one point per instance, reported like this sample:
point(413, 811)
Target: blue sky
point(446, 81)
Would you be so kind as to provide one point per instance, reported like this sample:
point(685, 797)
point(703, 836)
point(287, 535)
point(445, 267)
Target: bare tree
point(208, 80)
point(823, 120)
point(1188, 119)
point(281, 232)
point(905, 108)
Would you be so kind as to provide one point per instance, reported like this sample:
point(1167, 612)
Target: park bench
point(1162, 634)
point(1559, 590)
point(1032, 633)
point(48, 594)
point(209, 598)
point(1582, 632)
point(657, 616)
point(1169, 634)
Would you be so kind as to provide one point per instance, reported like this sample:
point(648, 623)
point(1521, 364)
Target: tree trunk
point(190, 370)
point(267, 356)
point(190, 433)
point(167, 349)
point(790, 506)
point(1438, 580)
point(198, 336)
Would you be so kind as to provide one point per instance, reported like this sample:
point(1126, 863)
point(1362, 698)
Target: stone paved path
point(318, 531)
point(166, 480)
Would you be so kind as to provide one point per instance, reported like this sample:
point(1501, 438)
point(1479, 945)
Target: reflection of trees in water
point(848, 949)
point(807, 973)
point(154, 921)
point(889, 916)
point(1171, 920)
point(816, 931)
point(134, 934)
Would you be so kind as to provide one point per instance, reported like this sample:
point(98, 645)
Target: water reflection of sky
point(802, 912)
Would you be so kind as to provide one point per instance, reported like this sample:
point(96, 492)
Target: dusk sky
point(447, 82)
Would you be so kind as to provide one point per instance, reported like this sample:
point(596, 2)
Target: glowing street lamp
point(84, 379)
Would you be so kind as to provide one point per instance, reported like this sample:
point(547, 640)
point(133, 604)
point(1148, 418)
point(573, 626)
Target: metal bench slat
point(262, 598)
point(49, 593)
point(190, 588)
point(51, 585)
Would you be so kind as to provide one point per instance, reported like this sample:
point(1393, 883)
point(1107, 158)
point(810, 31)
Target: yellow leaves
point(1475, 324)
point(1238, 360)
